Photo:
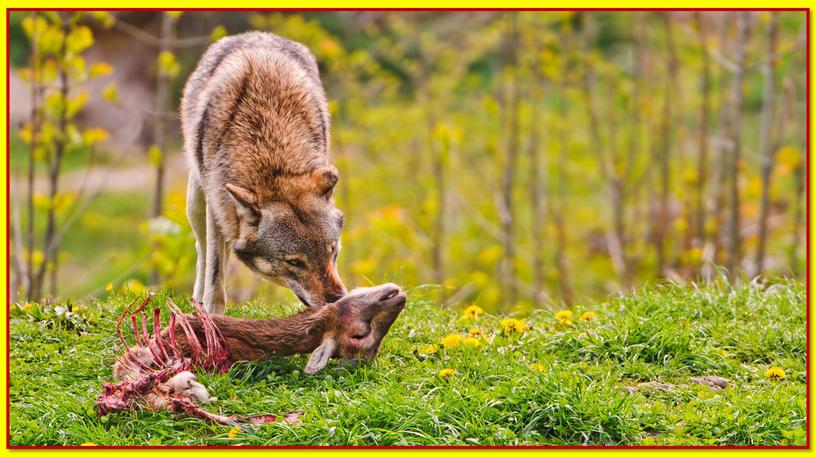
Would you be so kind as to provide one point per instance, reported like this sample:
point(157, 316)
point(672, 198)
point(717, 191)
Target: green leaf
point(34, 26)
point(217, 33)
point(75, 65)
point(72, 134)
point(53, 105)
point(94, 135)
point(25, 133)
point(48, 72)
point(78, 40)
point(155, 155)
point(168, 65)
point(100, 69)
point(76, 104)
point(111, 93)
point(41, 202)
point(105, 18)
point(50, 42)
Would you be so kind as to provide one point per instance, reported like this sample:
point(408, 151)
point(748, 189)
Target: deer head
point(356, 325)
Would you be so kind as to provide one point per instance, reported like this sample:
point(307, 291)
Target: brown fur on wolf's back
point(256, 339)
point(258, 111)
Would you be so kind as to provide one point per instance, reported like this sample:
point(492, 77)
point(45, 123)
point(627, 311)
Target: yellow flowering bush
point(472, 312)
point(564, 316)
point(512, 325)
point(587, 316)
point(446, 373)
point(775, 374)
point(452, 341)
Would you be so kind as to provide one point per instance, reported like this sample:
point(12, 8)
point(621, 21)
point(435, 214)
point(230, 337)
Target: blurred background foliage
point(516, 159)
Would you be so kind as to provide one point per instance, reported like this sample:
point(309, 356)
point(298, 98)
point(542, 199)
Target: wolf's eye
point(296, 263)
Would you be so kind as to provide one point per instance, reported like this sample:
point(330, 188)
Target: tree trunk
point(735, 239)
point(438, 233)
point(799, 176)
point(535, 195)
point(50, 246)
point(605, 164)
point(557, 210)
point(627, 187)
point(506, 208)
point(29, 234)
point(561, 261)
point(766, 143)
point(702, 151)
point(721, 164)
point(662, 220)
point(160, 125)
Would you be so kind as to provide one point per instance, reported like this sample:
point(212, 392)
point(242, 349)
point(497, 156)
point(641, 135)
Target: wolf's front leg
point(215, 294)
point(197, 215)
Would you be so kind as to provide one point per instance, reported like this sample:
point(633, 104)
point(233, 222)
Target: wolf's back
point(254, 107)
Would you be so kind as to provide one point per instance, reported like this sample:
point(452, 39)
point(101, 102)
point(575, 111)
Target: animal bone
point(156, 373)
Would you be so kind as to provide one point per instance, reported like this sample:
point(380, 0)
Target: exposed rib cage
point(143, 385)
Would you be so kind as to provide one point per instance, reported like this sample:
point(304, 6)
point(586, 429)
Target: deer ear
point(320, 356)
point(324, 180)
point(246, 203)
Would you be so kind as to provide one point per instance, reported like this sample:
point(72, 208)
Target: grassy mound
point(622, 376)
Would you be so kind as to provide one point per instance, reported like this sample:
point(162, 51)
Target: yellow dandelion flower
point(451, 341)
point(472, 312)
point(564, 316)
point(109, 287)
point(476, 333)
point(447, 373)
point(512, 325)
point(537, 367)
point(775, 373)
point(471, 342)
point(88, 443)
point(429, 349)
point(233, 433)
point(587, 316)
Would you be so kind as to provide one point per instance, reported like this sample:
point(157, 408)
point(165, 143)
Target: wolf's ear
point(320, 356)
point(324, 179)
point(246, 203)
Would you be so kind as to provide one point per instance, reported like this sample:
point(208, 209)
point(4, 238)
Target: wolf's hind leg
point(197, 215)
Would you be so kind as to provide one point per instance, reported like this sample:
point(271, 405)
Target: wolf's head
point(289, 233)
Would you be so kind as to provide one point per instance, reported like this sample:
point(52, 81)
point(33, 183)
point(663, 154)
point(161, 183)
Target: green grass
point(661, 333)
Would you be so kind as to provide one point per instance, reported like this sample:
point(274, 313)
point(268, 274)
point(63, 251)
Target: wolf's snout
point(335, 295)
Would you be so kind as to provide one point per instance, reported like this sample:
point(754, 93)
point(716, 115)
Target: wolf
point(255, 124)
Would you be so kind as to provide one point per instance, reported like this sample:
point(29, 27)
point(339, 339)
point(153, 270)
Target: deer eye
point(297, 263)
point(361, 333)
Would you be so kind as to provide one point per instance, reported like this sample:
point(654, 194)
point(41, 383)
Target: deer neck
point(253, 339)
